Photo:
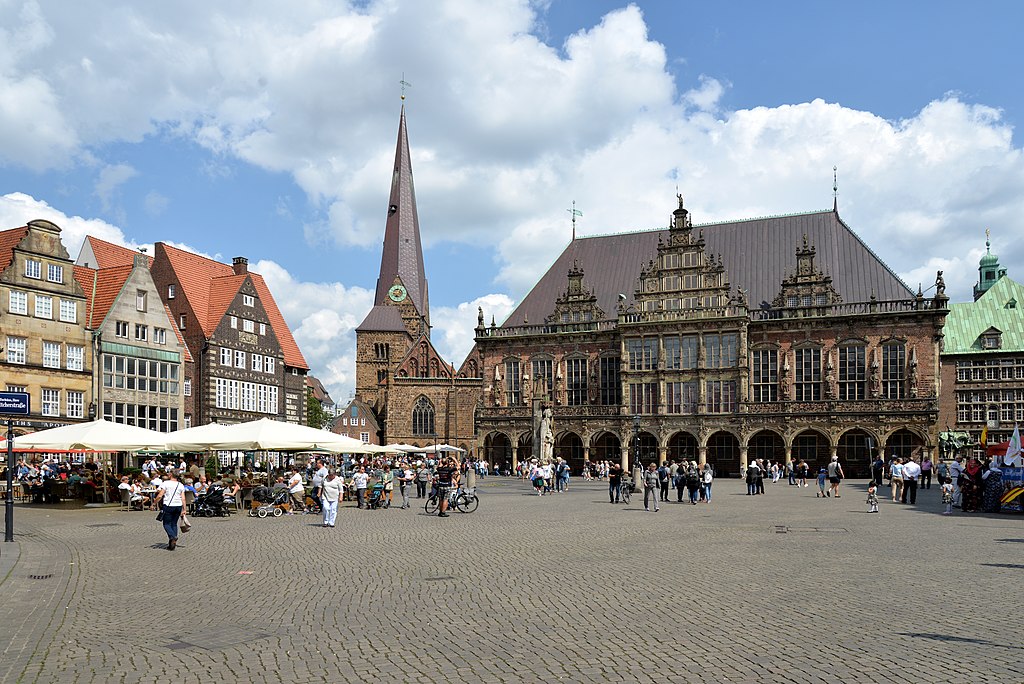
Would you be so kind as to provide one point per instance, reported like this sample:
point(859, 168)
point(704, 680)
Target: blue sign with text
point(14, 403)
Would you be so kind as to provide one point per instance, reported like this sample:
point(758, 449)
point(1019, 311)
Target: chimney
point(240, 265)
point(140, 261)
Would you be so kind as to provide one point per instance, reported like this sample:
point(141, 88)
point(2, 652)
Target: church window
point(423, 418)
point(894, 359)
point(765, 380)
point(576, 382)
point(808, 375)
point(611, 389)
point(852, 373)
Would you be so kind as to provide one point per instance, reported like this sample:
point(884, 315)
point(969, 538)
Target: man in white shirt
point(318, 481)
point(911, 472)
point(360, 479)
point(297, 490)
point(956, 470)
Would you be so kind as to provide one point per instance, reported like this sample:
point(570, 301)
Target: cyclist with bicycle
point(446, 476)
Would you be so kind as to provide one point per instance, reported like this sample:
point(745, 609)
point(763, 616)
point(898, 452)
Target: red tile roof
point(109, 255)
point(9, 239)
point(210, 286)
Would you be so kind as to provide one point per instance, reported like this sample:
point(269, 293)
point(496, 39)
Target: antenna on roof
point(835, 190)
point(574, 213)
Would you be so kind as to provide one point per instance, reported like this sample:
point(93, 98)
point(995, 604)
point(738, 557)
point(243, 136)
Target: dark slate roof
point(382, 318)
point(757, 255)
point(403, 254)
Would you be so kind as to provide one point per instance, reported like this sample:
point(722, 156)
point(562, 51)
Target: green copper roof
point(989, 259)
point(1001, 307)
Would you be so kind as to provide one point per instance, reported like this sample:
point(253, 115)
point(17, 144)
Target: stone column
point(743, 460)
point(662, 455)
point(625, 458)
point(702, 455)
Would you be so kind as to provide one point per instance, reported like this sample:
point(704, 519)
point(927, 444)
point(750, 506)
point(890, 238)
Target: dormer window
point(992, 339)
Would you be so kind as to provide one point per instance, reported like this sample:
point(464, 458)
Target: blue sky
point(250, 128)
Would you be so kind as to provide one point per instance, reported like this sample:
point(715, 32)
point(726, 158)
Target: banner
point(1012, 456)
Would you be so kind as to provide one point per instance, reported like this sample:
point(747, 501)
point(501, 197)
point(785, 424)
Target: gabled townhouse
point(43, 329)
point(139, 355)
point(246, 362)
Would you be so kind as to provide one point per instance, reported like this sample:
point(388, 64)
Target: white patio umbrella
point(198, 438)
point(270, 435)
point(444, 449)
point(407, 448)
point(98, 435)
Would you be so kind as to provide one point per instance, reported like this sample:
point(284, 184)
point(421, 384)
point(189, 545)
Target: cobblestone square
point(776, 588)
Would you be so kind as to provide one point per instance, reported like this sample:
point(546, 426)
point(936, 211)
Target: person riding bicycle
point(447, 475)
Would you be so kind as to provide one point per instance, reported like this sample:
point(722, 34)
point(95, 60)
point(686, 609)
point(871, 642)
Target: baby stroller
point(211, 503)
point(378, 497)
point(267, 502)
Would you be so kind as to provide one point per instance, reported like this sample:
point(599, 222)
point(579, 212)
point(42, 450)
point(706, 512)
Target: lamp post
point(636, 441)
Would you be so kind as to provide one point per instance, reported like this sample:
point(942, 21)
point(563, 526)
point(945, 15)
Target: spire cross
point(835, 189)
point(405, 84)
point(574, 213)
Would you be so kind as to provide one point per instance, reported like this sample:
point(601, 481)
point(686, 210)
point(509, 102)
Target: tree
point(316, 417)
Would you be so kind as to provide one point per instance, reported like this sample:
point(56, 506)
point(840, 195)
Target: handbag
point(185, 525)
point(160, 515)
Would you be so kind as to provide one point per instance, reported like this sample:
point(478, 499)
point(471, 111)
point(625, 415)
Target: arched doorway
point(524, 448)
point(768, 445)
point(903, 443)
point(854, 452)
point(682, 446)
point(813, 447)
point(724, 454)
point(569, 446)
point(498, 450)
point(644, 449)
point(606, 447)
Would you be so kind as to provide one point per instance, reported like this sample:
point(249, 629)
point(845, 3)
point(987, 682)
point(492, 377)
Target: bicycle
point(625, 489)
point(461, 500)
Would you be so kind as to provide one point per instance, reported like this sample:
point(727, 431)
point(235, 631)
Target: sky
point(267, 130)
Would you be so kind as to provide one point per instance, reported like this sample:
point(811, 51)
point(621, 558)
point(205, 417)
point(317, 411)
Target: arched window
point(423, 417)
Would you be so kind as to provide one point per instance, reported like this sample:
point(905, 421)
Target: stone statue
point(940, 285)
point(547, 437)
point(527, 389)
point(912, 376)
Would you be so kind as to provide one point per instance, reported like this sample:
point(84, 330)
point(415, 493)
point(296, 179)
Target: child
point(821, 484)
point(872, 499)
point(947, 495)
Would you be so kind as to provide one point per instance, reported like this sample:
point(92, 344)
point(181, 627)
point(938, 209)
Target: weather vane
point(405, 84)
point(574, 213)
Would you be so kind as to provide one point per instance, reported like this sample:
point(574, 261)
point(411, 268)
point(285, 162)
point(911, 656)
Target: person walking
point(707, 477)
point(911, 471)
point(878, 470)
point(447, 477)
point(663, 482)
point(296, 490)
point(652, 487)
point(317, 481)
point(835, 476)
point(422, 477)
point(693, 483)
point(330, 494)
point(926, 472)
point(170, 498)
point(614, 480)
point(405, 483)
point(360, 479)
point(956, 476)
point(896, 477)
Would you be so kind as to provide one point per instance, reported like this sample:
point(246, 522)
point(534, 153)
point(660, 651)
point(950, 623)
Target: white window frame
point(141, 332)
point(181, 322)
point(263, 328)
point(51, 354)
point(188, 387)
point(225, 357)
point(54, 273)
point(268, 364)
point(69, 310)
point(257, 362)
point(160, 335)
point(364, 437)
point(33, 269)
point(171, 291)
point(16, 350)
point(233, 322)
point(44, 307)
point(140, 300)
point(121, 329)
point(76, 404)
point(50, 402)
point(239, 359)
point(248, 300)
point(18, 302)
point(248, 326)
point(76, 357)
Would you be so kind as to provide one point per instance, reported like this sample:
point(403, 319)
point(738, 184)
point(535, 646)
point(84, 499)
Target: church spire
point(402, 256)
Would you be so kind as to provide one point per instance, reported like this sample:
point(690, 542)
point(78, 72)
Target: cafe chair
point(126, 499)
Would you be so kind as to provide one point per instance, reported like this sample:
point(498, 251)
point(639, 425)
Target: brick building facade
point(773, 338)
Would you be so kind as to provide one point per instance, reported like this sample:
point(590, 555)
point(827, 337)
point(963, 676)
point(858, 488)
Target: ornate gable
point(577, 304)
point(806, 286)
point(683, 276)
point(423, 361)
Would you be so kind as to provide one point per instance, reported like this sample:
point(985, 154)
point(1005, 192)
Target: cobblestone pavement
point(777, 588)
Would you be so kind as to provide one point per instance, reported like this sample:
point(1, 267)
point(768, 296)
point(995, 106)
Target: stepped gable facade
point(416, 396)
point(247, 364)
point(778, 338)
point(140, 356)
point(47, 345)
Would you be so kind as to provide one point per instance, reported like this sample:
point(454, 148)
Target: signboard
point(14, 403)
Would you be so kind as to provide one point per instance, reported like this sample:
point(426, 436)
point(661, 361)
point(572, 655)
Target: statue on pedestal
point(547, 437)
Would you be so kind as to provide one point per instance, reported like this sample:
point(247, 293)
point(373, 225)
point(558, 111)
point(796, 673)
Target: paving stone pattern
point(565, 588)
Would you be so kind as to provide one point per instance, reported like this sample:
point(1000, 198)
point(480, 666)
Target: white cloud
point(155, 203)
point(17, 209)
point(453, 326)
point(111, 177)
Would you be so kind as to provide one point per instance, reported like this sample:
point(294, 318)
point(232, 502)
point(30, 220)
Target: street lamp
point(636, 441)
